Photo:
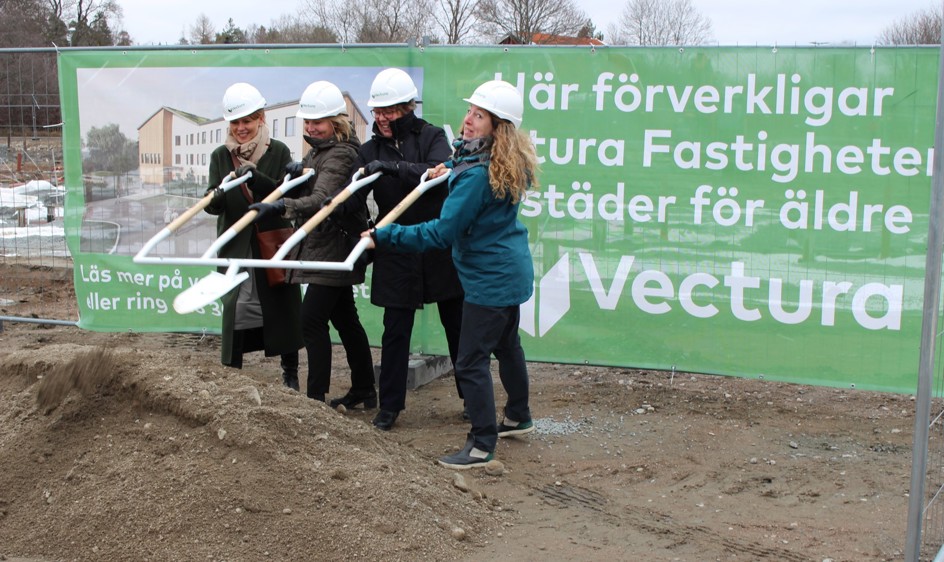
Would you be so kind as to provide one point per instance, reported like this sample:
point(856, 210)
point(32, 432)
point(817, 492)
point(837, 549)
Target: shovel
point(217, 284)
point(323, 213)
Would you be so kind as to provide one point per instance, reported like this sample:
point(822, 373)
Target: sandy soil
point(143, 447)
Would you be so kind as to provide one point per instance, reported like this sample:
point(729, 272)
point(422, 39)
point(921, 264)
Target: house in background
point(547, 39)
point(175, 145)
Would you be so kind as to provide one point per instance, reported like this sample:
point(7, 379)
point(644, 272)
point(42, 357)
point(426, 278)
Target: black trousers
point(490, 330)
point(289, 360)
point(395, 349)
point(323, 304)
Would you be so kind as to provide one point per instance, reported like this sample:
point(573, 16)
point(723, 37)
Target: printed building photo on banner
point(147, 135)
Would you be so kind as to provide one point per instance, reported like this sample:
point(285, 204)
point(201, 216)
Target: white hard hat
point(241, 99)
point(321, 99)
point(501, 98)
point(390, 87)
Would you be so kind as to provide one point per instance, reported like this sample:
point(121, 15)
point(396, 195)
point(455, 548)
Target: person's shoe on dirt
point(385, 419)
point(354, 397)
point(508, 428)
point(468, 457)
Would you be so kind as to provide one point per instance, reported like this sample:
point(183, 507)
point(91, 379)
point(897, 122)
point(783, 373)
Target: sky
point(735, 22)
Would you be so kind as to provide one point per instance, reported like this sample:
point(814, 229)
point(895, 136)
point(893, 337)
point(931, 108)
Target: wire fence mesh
point(932, 535)
point(33, 252)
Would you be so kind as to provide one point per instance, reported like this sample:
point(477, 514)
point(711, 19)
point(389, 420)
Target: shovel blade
point(207, 290)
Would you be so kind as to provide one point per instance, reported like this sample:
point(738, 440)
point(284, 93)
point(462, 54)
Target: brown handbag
point(269, 240)
point(269, 243)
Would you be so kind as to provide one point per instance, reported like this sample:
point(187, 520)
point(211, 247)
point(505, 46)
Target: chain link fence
point(33, 253)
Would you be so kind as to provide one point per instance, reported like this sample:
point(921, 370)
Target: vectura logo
point(550, 301)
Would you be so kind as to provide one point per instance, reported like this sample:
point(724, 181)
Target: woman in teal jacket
point(493, 167)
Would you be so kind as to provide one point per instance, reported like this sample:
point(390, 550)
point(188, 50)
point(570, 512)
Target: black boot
point(290, 370)
point(367, 397)
point(385, 419)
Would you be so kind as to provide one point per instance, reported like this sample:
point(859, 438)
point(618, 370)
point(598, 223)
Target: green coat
point(281, 305)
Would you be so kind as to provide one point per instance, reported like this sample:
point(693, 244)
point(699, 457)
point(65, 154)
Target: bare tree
point(456, 19)
point(660, 22)
point(343, 19)
point(920, 28)
point(523, 19)
point(27, 24)
point(289, 29)
point(372, 21)
point(202, 31)
point(91, 22)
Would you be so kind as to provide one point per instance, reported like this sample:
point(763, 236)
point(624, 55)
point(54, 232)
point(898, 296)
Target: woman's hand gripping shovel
point(217, 284)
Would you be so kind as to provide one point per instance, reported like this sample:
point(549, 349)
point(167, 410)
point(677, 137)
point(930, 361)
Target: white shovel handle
point(276, 194)
point(304, 230)
point(226, 185)
point(412, 196)
point(244, 221)
point(395, 213)
point(205, 202)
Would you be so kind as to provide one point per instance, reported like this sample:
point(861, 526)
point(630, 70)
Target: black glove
point(268, 209)
point(241, 171)
point(386, 168)
point(338, 211)
point(294, 169)
point(218, 196)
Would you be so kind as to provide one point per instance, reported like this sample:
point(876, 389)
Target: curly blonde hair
point(514, 164)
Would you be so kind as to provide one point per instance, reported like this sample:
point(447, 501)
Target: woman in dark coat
point(403, 147)
point(256, 316)
point(330, 294)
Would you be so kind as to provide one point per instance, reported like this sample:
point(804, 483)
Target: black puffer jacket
point(332, 161)
point(406, 280)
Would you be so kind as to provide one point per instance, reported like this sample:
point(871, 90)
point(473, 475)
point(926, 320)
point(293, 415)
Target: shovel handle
point(203, 203)
point(356, 183)
point(250, 216)
point(411, 197)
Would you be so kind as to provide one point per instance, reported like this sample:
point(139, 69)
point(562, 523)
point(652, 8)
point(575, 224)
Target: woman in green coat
point(256, 316)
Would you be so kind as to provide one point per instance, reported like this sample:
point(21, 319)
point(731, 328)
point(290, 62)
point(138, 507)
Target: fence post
point(932, 286)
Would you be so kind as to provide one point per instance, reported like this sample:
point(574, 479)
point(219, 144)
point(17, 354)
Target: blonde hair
point(342, 127)
point(514, 164)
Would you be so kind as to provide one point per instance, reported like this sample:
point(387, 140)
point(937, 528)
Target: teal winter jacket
point(489, 243)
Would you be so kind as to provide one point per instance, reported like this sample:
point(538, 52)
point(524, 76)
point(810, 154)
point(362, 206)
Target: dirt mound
point(166, 455)
point(86, 373)
point(146, 460)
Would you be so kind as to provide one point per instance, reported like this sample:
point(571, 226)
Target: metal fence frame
point(36, 114)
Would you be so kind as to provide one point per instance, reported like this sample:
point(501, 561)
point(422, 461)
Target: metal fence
point(36, 269)
point(35, 261)
point(925, 530)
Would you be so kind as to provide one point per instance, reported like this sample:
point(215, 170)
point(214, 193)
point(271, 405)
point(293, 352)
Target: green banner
point(759, 212)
